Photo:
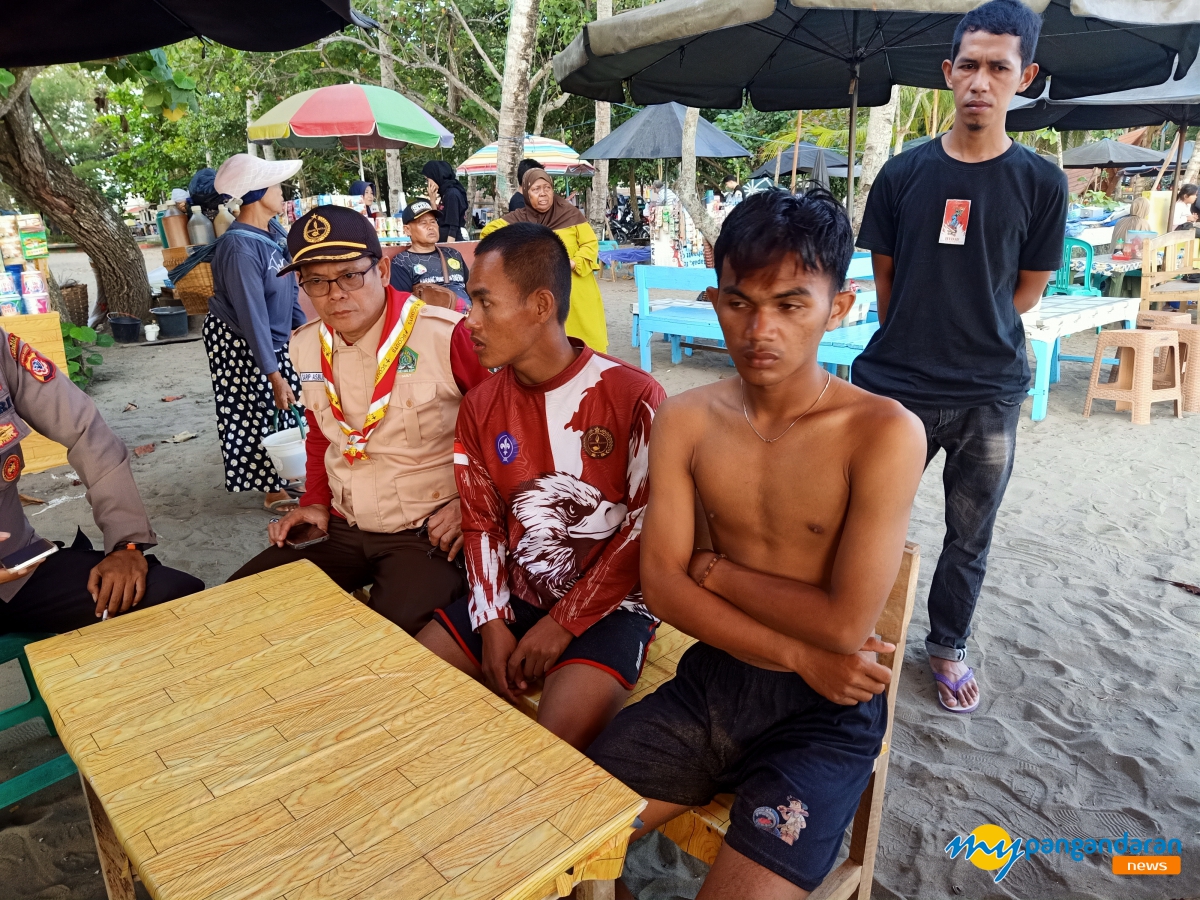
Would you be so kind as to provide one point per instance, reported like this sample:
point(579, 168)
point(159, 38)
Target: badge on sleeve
point(14, 346)
point(12, 467)
point(506, 447)
point(954, 222)
point(36, 364)
point(8, 433)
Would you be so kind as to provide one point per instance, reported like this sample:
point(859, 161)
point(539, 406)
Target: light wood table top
point(274, 737)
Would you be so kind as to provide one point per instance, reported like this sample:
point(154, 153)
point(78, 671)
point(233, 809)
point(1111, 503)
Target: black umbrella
point(656, 132)
point(62, 31)
point(1109, 154)
point(713, 53)
point(1176, 101)
point(809, 155)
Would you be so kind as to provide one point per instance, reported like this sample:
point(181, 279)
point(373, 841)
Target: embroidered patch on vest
point(8, 434)
point(407, 364)
point(598, 442)
point(12, 467)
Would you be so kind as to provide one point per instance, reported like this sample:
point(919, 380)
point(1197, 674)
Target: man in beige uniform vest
point(381, 376)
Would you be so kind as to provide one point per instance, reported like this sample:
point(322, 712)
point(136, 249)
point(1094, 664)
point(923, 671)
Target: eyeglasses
point(347, 281)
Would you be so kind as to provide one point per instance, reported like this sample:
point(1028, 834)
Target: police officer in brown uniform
point(75, 586)
point(381, 377)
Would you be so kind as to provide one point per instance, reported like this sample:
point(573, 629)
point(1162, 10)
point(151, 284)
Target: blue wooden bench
point(683, 322)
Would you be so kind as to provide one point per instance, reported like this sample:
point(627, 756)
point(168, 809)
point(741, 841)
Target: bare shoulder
point(881, 427)
point(694, 410)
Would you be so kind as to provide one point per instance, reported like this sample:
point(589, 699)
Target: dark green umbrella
point(656, 132)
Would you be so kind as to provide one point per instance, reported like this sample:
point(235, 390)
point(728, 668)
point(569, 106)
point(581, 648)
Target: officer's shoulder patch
point(36, 364)
point(11, 468)
point(14, 346)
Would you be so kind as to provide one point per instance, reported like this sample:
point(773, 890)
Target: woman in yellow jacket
point(586, 320)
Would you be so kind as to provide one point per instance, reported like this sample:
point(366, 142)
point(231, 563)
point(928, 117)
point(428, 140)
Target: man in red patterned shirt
point(550, 458)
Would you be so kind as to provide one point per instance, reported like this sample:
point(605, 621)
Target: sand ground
point(1088, 667)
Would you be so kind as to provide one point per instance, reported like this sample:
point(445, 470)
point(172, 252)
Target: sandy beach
point(1088, 667)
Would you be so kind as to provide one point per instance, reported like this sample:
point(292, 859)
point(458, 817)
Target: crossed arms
point(824, 636)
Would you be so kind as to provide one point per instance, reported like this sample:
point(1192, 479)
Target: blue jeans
point(980, 444)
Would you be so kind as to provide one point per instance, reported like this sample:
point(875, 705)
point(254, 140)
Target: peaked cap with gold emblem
point(331, 234)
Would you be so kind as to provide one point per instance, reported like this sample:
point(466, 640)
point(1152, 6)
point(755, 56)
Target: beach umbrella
point(820, 172)
point(810, 154)
point(1109, 154)
point(821, 54)
point(556, 158)
point(63, 31)
point(656, 132)
point(361, 116)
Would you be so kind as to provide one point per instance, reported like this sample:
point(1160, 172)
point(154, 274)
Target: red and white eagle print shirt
point(553, 485)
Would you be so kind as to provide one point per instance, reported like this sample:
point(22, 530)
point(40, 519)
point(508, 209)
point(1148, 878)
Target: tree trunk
point(686, 186)
point(251, 99)
point(598, 208)
point(633, 192)
point(875, 151)
point(75, 209)
point(514, 93)
point(1193, 166)
point(395, 177)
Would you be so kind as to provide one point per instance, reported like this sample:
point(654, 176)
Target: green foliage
point(7, 80)
point(173, 93)
point(1099, 199)
point(80, 342)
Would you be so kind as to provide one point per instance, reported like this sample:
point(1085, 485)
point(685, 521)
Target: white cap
point(243, 173)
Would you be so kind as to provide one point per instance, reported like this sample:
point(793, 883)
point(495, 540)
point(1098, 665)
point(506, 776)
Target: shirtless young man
point(806, 483)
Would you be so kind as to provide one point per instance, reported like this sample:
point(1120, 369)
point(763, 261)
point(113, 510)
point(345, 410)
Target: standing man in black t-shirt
point(964, 233)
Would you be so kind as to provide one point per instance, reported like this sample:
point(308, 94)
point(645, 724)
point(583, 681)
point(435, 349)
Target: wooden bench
point(1165, 260)
point(701, 831)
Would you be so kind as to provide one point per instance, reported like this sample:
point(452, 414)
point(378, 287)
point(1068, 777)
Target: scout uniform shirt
point(34, 391)
point(553, 479)
point(409, 472)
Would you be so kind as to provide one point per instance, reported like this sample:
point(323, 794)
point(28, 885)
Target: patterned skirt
point(245, 403)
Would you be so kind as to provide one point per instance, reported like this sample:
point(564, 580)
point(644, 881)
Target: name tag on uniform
point(311, 376)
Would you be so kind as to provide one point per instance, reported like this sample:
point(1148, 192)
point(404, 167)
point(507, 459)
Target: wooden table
point(273, 737)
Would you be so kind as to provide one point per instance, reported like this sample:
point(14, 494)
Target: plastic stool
point(1189, 365)
point(12, 646)
point(1162, 318)
point(1136, 386)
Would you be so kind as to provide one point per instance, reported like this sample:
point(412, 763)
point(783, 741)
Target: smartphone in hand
point(304, 535)
point(27, 556)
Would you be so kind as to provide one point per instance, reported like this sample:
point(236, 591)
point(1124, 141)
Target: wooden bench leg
point(596, 890)
point(114, 864)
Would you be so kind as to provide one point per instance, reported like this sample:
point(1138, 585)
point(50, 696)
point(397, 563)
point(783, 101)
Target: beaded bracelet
point(716, 559)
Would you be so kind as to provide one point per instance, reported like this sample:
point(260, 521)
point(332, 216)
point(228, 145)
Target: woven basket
point(75, 296)
point(194, 289)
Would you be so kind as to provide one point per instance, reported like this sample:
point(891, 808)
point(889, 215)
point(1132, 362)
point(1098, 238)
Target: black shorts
point(796, 762)
point(617, 643)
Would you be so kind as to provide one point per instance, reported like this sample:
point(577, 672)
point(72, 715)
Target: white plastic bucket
point(151, 332)
point(286, 450)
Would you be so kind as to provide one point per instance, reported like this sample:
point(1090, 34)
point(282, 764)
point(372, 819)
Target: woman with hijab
point(586, 320)
point(250, 320)
point(1137, 220)
point(448, 195)
point(366, 190)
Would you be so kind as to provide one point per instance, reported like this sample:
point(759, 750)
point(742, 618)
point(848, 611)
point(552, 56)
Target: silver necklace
point(746, 412)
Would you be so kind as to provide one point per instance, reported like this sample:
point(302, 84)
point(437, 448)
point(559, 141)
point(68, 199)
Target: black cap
point(331, 234)
point(415, 209)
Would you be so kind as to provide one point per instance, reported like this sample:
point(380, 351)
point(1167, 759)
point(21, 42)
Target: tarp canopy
point(656, 132)
point(1175, 100)
point(1109, 154)
point(808, 159)
point(789, 54)
point(61, 31)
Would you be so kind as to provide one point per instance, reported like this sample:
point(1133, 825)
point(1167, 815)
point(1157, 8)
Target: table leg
point(595, 890)
point(644, 339)
point(633, 336)
point(1054, 373)
point(1040, 392)
point(676, 350)
point(114, 864)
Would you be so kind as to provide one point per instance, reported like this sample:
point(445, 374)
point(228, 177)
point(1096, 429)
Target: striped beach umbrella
point(556, 158)
point(362, 116)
